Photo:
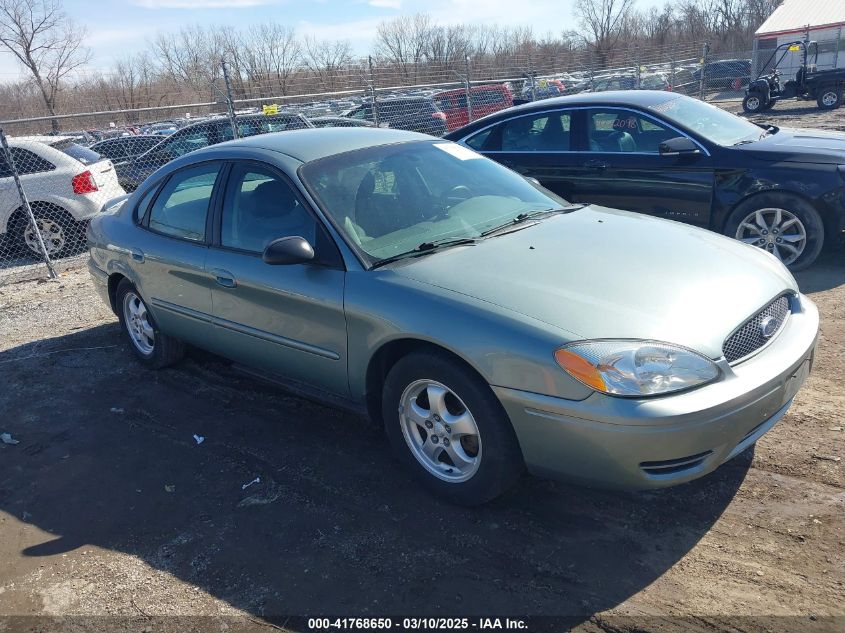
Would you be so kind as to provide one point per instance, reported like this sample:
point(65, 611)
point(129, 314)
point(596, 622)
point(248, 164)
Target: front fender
point(505, 348)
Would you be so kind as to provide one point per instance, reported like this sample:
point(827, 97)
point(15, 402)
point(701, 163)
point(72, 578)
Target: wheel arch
point(7, 219)
point(828, 218)
point(113, 282)
point(387, 355)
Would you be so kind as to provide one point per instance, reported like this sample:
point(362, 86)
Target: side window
point(478, 141)
point(259, 207)
point(196, 139)
point(141, 209)
point(29, 162)
point(625, 131)
point(544, 132)
point(181, 208)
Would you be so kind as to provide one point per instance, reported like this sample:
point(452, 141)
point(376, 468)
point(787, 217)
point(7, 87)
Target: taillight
point(438, 115)
point(84, 183)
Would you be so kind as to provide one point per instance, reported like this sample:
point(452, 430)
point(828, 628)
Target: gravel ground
point(113, 517)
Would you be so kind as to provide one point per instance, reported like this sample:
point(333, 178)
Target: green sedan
point(489, 325)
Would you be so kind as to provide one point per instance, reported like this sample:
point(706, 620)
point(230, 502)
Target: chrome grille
point(749, 338)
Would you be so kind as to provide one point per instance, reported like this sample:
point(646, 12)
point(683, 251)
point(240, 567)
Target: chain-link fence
point(52, 183)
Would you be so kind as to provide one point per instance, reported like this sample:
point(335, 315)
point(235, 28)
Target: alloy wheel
point(753, 103)
point(830, 98)
point(440, 431)
point(776, 230)
point(138, 324)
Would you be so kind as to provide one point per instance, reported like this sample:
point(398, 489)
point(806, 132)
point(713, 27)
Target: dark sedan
point(125, 147)
point(679, 158)
point(202, 134)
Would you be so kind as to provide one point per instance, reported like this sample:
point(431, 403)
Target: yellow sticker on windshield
point(794, 48)
point(270, 109)
point(458, 151)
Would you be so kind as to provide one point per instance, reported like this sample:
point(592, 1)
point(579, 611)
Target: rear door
point(538, 145)
point(169, 253)
point(284, 319)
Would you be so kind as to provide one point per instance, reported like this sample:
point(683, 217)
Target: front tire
point(830, 97)
point(447, 427)
point(786, 226)
point(753, 103)
point(153, 348)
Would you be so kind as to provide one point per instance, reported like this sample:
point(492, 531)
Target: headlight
point(635, 368)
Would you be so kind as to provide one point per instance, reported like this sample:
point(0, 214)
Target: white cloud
point(201, 4)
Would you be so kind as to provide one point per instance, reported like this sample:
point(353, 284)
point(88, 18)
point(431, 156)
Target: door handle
point(596, 164)
point(137, 255)
point(224, 278)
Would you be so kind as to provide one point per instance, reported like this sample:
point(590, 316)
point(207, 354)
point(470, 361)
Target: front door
point(289, 319)
point(621, 167)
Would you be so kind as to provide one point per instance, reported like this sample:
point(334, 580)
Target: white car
point(66, 185)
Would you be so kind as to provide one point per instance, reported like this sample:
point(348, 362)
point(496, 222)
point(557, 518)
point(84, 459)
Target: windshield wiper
point(524, 217)
point(425, 248)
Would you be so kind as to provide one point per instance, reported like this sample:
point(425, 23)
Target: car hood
point(602, 273)
point(799, 145)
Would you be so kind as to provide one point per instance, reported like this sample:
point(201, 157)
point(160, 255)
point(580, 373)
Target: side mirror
point(678, 145)
point(288, 250)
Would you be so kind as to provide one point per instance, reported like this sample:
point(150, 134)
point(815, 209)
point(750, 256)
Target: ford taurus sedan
point(488, 324)
point(675, 157)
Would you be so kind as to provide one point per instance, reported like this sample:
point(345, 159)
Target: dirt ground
point(113, 517)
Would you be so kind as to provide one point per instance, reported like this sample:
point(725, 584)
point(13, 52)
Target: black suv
point(415, 114)
point(202, 134)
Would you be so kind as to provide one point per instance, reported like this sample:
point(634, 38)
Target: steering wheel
point(461, 192)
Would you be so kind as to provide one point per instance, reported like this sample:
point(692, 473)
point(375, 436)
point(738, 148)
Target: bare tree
point(45, 41)
point(272, 55)
point(602, 19)
point(327, 60)
point(403, 41)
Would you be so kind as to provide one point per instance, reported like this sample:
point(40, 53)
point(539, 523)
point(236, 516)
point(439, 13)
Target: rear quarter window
point(27, 162)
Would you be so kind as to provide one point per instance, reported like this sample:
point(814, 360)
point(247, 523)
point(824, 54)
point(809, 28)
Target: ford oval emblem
point(769, 326)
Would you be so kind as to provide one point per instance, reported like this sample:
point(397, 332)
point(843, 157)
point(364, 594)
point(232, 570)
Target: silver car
point(489, 325)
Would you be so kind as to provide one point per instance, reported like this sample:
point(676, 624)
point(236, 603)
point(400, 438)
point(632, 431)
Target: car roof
point(314, 143)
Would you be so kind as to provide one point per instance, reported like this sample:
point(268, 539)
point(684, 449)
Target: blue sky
point(117, 27)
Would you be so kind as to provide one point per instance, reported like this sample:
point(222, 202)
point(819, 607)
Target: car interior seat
point(272, 211)
point(620, 140)
point(553, 136)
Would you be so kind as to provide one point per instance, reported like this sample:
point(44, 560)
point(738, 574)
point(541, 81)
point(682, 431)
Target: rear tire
point(62, 235)
point(153, 348)
point(783, 220)
point(448, 428)
point(830, 97)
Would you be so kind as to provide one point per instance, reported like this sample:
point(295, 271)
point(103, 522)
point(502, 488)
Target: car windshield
point(391, 200)
point(714, 124)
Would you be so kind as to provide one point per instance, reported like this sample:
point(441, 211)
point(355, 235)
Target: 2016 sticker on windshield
point(458, 151)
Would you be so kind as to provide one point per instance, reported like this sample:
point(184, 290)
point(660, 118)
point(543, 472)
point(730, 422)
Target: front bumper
point(656, 442)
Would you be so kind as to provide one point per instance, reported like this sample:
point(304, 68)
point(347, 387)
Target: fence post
point(230, 106)
point(705, 50)
point(467, 87)
point(373, 90)
point(25, 203)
